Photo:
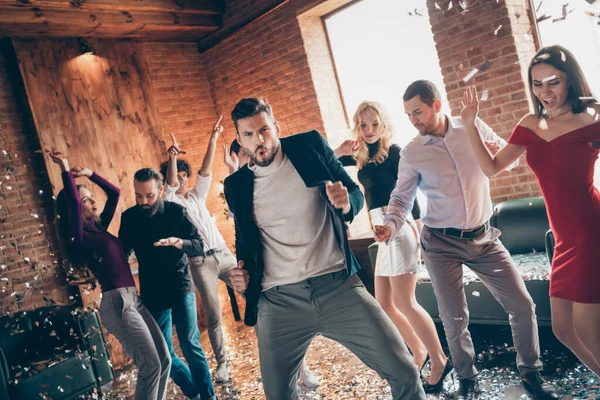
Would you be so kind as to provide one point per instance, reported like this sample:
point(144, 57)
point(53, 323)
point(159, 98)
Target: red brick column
point(496, 38)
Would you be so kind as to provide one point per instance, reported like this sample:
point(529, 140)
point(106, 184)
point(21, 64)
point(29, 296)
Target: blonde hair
point(385, 141)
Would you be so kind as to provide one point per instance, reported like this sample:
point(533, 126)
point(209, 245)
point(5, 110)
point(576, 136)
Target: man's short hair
point(182, 166)
point(425, 89)
point(235, 147)
point(146, 174)
point(249, 107)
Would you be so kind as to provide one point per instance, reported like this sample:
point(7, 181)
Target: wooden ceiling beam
point(89, 19)
point(214, 7)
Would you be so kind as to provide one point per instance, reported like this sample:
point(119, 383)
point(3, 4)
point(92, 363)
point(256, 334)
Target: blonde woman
point(371, 150)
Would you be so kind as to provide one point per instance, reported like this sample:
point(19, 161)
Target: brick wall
point(496, 34)
point(268, 58)
point(185, 105)
point(29, 262)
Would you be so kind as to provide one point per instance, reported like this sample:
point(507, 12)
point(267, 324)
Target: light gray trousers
point(206, 271)
point(124, 316)
point(444, 256)
point(339, 308)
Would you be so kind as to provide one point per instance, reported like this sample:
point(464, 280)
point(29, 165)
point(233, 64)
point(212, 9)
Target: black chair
point(57, 352)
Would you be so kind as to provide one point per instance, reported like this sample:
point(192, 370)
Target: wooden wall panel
point(97, 109)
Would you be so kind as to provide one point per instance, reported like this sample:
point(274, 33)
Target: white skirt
point(401, 256)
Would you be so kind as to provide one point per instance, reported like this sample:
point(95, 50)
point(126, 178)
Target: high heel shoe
point(424, 364)
point(439, 385)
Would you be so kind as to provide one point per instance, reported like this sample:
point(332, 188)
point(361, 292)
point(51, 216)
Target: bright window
point(380, 47)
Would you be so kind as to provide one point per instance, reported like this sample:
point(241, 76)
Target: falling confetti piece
point(484, 95)
point(549, 78)
point(437, 6)
point(9, 187)
point(450, 5)
point(41, 191)
point(476, 293)
point(587, 98)
point(497, 29)
point(485, 66)
point(470, 75)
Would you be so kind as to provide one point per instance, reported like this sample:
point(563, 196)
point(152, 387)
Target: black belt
point(463, 233)
point(212, 251)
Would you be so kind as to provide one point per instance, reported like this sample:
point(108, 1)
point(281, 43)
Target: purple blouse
point(92, 245)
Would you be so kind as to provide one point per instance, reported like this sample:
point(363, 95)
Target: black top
point(379, 180)
point(163, 270)
point(316, 164)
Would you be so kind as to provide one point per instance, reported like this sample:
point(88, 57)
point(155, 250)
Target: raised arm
point(209, 157)
point(173, 151)
point(489, 163)
point(74, 204)
point(112, 193)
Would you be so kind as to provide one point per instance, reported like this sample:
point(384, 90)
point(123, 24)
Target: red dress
point(564, 168)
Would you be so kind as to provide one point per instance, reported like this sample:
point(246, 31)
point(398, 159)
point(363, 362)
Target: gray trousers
point(206, 271)
point(339, 308)
point(124, 316)
point(444, 256)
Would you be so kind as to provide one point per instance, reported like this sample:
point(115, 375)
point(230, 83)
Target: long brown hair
point(362, 154)
point(62, 224)
point(563, 60)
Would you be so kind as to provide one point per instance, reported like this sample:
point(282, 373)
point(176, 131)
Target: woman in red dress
point(561, 139)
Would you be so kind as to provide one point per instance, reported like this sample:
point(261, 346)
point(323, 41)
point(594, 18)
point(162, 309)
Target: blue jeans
point(195, 379)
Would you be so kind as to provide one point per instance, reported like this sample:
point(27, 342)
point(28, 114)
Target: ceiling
point(156, 20)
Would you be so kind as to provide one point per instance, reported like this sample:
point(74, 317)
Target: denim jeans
point(195, 379)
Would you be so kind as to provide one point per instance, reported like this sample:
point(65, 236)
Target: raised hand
point(239, 278)
point(79, 171)
point(217, 128)
point(174, 149)
point(60, 159)
point(338, 195)
point(230, 158)
point(469, 106)
point(172, 241)
point(382, 233)
point(347, 148)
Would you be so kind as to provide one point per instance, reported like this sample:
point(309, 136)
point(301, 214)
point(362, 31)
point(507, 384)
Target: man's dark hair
point(182, 166)
point(235, 147)
point(249, 107)
point(426, 90)
point(145, 174)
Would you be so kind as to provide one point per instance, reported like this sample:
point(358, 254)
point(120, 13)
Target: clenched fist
point(239, 278)
point(338, 196)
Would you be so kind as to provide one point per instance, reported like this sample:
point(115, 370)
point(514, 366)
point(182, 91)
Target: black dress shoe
point(468, 389)
point(538, 387)
point(439, 385)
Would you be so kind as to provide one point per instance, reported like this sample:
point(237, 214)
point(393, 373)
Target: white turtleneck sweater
point(296, 229)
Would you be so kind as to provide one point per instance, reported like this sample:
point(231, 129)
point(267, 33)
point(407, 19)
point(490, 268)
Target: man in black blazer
point(290, 205)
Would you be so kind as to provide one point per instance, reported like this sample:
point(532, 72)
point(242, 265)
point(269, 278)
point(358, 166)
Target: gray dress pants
point(124, 316)
point(339, 308)
point(444, 256)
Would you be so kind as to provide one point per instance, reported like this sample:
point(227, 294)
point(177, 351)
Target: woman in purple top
point(83, 231)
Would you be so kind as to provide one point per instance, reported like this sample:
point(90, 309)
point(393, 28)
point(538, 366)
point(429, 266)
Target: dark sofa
point(55, 352)
point(526, 234)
